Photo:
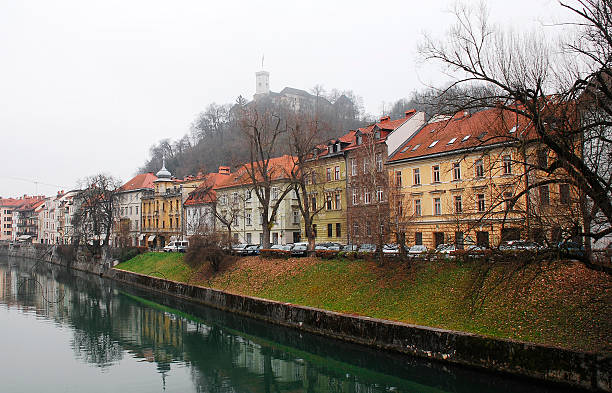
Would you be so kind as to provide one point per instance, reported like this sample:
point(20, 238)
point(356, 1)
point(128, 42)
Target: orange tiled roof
point(144, 180)
point(280, 168)
point(484, 128)
point(205, 193)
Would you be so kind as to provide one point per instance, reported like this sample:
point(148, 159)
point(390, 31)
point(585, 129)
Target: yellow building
point(462, 181)
point(326, 186)
point(162, 209)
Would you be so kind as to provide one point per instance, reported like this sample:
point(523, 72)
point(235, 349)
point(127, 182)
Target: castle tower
point(262, 82)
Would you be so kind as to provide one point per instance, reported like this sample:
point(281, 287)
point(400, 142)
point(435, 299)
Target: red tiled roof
point(279, 167)
point(205, 193)
point(144, 180)
point(487, 127)
point(20, 202)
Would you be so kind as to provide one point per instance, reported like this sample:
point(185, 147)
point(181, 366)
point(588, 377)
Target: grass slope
point(565, 305)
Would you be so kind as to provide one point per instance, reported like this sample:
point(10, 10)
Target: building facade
point(200, 204)
point(238, 208)
point(367, 179)
point(462, 181)
point(127, 202)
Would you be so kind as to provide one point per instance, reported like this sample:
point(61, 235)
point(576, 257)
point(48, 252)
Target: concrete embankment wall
point(579, 369)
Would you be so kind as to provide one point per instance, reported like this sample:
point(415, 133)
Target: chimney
point(224, 170)
point(384, 119)
point(409, 113)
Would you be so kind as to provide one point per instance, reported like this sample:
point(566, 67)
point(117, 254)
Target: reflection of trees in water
point(100, 350)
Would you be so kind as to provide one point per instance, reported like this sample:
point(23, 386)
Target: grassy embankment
point(565, 305)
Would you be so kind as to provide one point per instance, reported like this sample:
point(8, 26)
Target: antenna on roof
point(262, 61)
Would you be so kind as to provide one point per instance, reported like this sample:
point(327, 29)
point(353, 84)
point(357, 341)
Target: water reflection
point(205, 350)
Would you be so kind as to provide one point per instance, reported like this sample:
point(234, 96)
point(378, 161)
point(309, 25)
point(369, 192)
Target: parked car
point(252, 249)
point(571, 249)
point(300, 249)
point(519, 245)
point(391, 249)
point(350, 247)
point(416, 250)
point(334, 246)
point(276, 247)
point(445, 250)
point(320, 247)
point(240, 249)
point(367, 248)
point(177, 246)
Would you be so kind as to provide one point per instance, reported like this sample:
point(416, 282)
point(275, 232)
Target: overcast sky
point(89, 86)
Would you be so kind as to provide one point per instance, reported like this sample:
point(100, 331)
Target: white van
point(177, 246)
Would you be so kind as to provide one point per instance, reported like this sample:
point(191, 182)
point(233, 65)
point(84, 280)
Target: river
point(67, 331)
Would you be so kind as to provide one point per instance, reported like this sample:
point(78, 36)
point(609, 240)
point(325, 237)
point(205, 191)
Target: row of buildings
point(449, 180)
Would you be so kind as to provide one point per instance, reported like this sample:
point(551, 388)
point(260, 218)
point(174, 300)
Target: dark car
point(240, 249)
point(252, 249)
point(299, 249)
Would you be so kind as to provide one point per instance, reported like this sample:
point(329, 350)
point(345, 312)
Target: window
point(379, 162)
point(480, 202)
point(456, 171)
point(247, 219)
point(465, 138)
point(313, 202)
point(314, 229)
point(358, 139)
point(458, 204)
point(380, 195)
point(437, 206)
point(564, 193)
point(337, 202)
point(248, 238)
point(435, 173)
point(355, 196)
point(338, 229)
point(296, 217)
point(418, 238)
point(542, 158)
point(235, 223)
point(479, 168)
point(452, 141)
point(314, 177)
point(328, 202)
point(433, 144)
point(416, 174)
point(329, 176)
point(400, 208)
point(398, 178)
point(365, 165)
point(367, 197)
point(329, 230)
point(353, 167)
point(507, 200)
point(234, 197)
point(247, 195)
point(355, 229)
point(275, 192)
point(507, 165)
point(337, 173)
point(417, 207)
point(544, 195)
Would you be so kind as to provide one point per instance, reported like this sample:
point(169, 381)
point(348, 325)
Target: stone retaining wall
point(579, 369)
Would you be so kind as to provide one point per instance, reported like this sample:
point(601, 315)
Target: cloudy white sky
point(87, 86)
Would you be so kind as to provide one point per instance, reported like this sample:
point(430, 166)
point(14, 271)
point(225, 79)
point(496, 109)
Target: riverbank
point(566, 305)
point(587, 370)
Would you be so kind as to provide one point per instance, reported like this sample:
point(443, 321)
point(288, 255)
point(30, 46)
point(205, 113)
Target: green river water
point(66, 331)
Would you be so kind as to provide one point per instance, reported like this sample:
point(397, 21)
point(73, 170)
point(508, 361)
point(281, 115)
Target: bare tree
point(264, 126)
point(304, 134)
point(565, 95)
point(93, 222)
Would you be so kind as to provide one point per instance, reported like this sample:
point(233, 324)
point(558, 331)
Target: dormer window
point(359, 139)
point(377, 135)
point(338, 147)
